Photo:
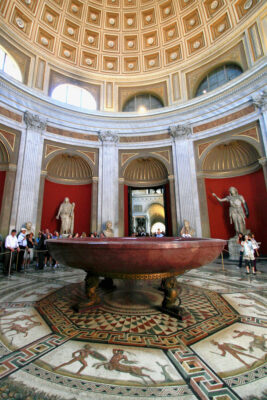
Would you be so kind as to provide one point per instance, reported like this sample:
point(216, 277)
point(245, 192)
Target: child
point(248, 255)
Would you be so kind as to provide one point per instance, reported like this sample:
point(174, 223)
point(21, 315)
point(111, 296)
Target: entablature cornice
point(226, 100)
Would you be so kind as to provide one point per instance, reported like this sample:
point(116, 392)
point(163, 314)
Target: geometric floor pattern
point(125, 348)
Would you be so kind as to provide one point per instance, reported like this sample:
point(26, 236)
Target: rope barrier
point(23, 250)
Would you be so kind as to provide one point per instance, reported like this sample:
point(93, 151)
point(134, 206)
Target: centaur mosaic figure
point(236, 211)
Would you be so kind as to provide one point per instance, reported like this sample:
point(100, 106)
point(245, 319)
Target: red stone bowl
point(135, 258)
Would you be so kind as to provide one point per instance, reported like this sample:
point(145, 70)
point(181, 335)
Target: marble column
point(40, 201)
point(7, 199)
point(94, 204)
point(121, 207)
point(173, 205)
point(26, 193)
point(263, 163)
point(108, 188)
point(187, 201)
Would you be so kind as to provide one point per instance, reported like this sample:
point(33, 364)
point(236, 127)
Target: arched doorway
point(148, 200)
point(68, 175)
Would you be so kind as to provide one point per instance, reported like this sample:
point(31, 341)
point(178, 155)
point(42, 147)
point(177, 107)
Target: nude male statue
point(66, 214)
point(236, 212)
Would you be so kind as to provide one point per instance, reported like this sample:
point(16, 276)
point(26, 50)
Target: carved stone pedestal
point(234, 249)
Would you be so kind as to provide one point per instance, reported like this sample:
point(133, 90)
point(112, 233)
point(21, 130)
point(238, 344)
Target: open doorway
point(147, 210)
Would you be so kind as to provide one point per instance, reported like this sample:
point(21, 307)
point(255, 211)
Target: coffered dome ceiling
point(122, 37)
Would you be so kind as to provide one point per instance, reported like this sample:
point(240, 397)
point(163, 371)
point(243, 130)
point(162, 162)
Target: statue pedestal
point(234, 249)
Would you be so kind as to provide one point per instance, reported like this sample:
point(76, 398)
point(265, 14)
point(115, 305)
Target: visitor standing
point(22, 241)
point(248, 255)
point(12, 247)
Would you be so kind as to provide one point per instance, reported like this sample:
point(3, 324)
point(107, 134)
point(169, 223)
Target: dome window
point(218, 77)
point(9, 65)
point(74, 96)
point(142, 103)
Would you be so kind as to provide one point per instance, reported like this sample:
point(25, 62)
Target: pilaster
point(260, 102)
point(173, 204)
point(108, 195)
point(263, 163)
point(25, 202)
point(187, 202)
point(7, 199)
point(94, 204)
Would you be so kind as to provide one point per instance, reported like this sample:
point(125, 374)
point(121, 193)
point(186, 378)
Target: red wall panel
point(252, 188)
point(2, 186)
point(126, 211)
point(54, 194)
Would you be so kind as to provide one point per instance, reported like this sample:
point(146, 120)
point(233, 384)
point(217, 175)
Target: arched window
point(218, 77)
point(75, 96)
point(9, 65)
point(142, 103)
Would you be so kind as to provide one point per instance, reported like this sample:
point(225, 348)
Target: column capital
point(108, 137)
point(262, 161)
point(180, 132)
point(260, 100)
point(33, 121)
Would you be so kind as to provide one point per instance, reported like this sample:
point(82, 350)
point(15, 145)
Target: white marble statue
point(108, 232)
point(187, 231)
point(236, 211)
point(66, 214)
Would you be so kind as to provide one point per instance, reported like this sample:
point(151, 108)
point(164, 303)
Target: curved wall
point(177, 135)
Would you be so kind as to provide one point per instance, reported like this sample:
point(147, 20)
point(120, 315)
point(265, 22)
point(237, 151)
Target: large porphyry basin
point(135, 258)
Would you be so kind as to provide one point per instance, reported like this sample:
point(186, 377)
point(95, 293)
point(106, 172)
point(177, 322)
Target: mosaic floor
point(126, 348)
